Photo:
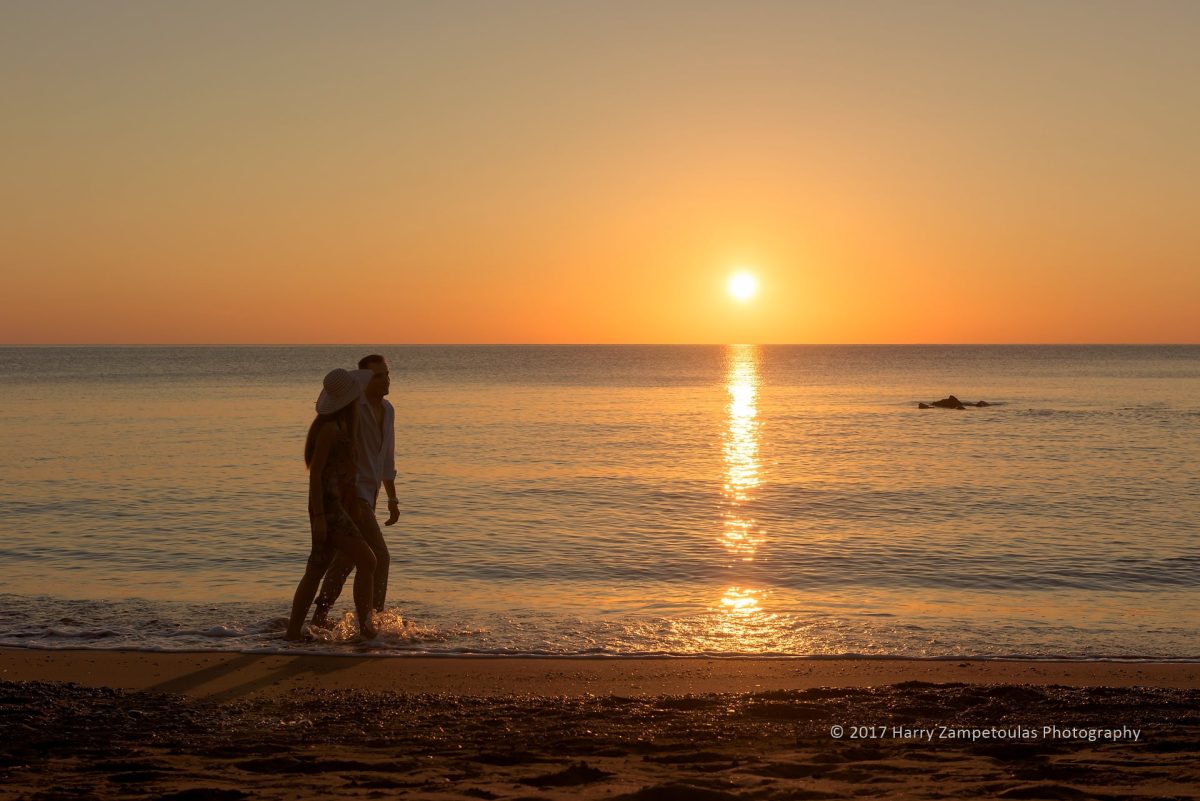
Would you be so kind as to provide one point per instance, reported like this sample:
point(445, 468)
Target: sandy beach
point(84, 724)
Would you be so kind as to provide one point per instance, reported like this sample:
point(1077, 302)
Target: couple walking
point(350, 451)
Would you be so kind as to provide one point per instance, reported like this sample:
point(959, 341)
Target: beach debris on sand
point(64, 740)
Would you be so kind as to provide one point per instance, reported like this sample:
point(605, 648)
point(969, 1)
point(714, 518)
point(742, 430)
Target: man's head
point(380, 383)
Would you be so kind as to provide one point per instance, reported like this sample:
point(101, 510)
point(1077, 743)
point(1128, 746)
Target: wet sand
point(85, 724)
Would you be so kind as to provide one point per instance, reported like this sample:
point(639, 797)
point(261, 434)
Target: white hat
point(342, 387)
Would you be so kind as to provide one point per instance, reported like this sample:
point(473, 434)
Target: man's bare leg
point(368, 526)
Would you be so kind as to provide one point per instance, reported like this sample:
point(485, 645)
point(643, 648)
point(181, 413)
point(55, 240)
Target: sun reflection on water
point(741, 616)
point(741, 601)
point(740, 535)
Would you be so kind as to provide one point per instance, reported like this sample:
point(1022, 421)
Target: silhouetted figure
point(375, 461)
point(329, 454)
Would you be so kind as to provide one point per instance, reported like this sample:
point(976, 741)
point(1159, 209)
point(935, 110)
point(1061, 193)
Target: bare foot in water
point(301, 637)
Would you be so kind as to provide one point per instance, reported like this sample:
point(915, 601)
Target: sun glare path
point(740, 534)
point(737, 599)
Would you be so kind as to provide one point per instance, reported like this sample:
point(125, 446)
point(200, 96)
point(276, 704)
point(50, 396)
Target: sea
point(620, 502)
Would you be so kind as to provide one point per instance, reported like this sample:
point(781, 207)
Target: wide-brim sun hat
point(342, 387)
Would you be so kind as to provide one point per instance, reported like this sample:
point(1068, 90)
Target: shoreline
point(229, 675)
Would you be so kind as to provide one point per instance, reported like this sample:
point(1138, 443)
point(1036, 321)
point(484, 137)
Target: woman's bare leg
point(305, 591)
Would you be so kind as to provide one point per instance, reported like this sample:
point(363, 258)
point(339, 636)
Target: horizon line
point(587, 344)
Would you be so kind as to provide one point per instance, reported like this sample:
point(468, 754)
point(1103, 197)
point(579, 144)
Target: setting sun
point(743, 285)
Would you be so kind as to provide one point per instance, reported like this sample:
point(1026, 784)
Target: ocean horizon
point(621, 500)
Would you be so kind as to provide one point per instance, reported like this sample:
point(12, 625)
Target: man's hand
point(393, 511)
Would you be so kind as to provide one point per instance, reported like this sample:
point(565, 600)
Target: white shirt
point(376, 449)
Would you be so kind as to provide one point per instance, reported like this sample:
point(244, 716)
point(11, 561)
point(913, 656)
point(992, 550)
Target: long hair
point(345, 417)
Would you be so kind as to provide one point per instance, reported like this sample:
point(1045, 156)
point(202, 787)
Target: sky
point(593, 172)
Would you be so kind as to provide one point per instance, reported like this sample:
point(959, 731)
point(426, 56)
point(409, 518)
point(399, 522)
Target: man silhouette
point(375, 460)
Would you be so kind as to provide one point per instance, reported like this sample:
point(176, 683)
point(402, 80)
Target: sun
point(743, 285)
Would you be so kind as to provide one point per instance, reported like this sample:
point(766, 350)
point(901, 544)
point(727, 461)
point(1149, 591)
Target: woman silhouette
point(329, 454)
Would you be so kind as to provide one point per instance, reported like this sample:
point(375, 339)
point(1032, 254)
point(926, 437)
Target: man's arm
point(389, 468)
point(393, 502)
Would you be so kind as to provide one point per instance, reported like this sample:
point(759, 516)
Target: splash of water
point(393, 628)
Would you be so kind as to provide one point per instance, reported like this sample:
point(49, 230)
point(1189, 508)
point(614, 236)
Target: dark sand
point(80, 724)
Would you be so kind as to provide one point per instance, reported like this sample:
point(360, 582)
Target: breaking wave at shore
point(45, 623)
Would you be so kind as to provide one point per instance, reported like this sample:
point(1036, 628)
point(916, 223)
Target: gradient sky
point(894, 172)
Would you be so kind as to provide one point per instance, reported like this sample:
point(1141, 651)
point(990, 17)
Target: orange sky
point(593, 172)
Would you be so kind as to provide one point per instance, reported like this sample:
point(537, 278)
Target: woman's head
point(342, 387)
point(337, 403)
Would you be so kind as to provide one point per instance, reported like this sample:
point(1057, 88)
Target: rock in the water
point(949, 403)
point(952, 402)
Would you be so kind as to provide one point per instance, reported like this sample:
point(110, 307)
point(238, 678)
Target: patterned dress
point(337, 494)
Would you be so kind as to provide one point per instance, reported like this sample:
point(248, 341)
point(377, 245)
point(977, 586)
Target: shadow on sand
point(250, 673)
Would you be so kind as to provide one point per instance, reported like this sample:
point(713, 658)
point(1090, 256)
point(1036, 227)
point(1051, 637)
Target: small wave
point(371, 649)
point(1130, 630)
point(216, 632)
point(82, 634)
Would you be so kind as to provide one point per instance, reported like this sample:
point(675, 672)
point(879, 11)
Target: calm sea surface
point(621, 500)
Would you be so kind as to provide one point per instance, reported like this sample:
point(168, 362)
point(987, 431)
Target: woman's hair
point(346, 416)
